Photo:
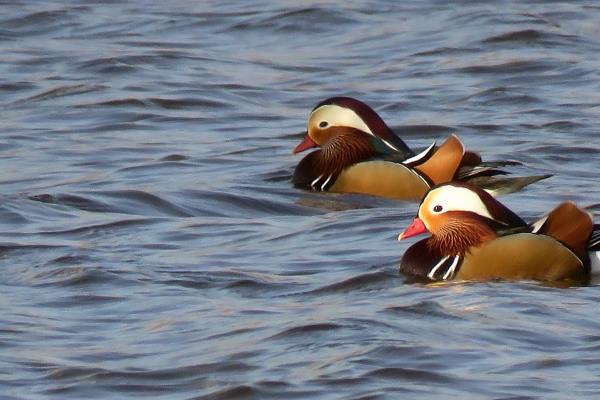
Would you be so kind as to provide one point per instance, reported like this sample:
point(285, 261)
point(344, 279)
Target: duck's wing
point(381, 178)
point(570, 225)
point(442, 165)
point(384, 151)
point(521, 256)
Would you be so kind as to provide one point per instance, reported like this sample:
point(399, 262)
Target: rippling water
point(151, 242)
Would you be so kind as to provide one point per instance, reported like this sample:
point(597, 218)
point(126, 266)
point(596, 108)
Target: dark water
point(153, 247)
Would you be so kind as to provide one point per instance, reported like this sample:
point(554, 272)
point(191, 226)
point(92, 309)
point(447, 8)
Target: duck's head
point(459, 216)
point(331, 116)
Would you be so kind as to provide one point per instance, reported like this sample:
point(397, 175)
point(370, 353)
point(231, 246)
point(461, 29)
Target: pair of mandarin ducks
point(472, 235)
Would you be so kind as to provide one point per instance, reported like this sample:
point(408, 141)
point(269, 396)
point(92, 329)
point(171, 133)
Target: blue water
point(152, 245)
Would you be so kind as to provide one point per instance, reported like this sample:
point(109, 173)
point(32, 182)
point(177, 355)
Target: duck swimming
point(359, 153)
point(475, 237)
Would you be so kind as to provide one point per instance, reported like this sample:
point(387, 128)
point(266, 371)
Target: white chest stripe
point(431, 273)
point(450, 272)
point(313, 183)
point(326, 182)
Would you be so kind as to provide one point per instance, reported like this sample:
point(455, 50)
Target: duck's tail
point(501, 185)
point(489, 176)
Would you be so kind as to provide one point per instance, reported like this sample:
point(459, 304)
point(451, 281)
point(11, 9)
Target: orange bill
point(416, 228)
point(306, 144)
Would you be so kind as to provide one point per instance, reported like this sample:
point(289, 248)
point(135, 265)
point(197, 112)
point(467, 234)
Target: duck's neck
point(343, 150)
point(458, 236)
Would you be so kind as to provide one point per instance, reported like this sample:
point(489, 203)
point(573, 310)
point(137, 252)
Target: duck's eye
point(323, 124)
point(438, 208)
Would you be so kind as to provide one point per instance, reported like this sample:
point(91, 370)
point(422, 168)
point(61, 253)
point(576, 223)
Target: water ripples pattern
point(153, 246)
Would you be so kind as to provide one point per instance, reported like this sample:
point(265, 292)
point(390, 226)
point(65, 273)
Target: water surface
point(152, 245)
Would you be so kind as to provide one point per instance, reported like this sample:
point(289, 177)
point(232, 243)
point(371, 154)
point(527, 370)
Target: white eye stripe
point(453, 198)
point(334, 115)
point(339, 116)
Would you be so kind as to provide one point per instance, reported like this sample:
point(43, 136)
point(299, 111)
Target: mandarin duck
point(359, 153)
point(475, 237)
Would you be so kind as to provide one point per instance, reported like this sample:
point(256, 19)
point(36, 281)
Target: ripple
point(513, 67)
point(103, 227)
point(58, 92)
point(66, 276)
point(423, 309)
point(309, 330)
point(175, 104)
point(296, 20)
point(236, 392)
point(135, 202)
point(146, 381)
point(368, 281)
point(422, 130)
point(503, 96)
point(37, 23)
point(445, 51)
point(152, 244)
point(526, 35)
point(79, 202)
point(209, 202)
point(408, 374)
point(11, 87)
